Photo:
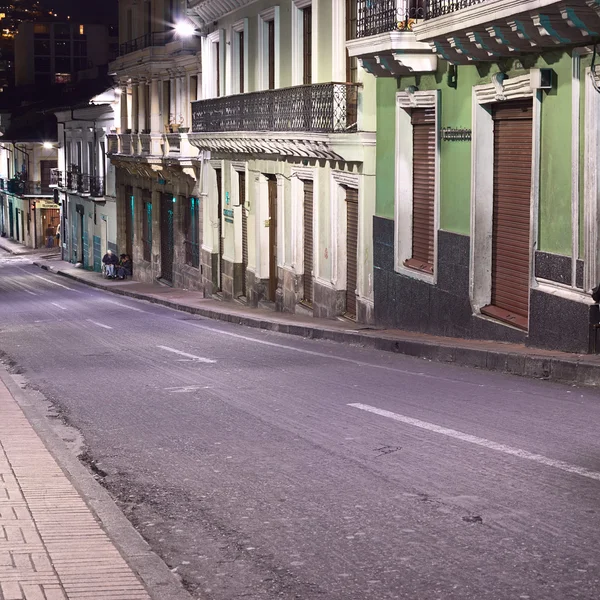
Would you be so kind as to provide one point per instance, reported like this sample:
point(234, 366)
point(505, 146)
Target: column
point(142, 106)
point(173, 116)
point(134, 107)
point(154, 107)
point(124, 125)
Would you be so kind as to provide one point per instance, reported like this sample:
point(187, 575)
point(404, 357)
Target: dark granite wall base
point(445, 308)
point(209, 266)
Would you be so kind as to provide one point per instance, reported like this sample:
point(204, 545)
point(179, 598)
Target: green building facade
point(486, 222)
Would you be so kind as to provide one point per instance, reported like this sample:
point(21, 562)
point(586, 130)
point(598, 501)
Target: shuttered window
point(241, 59)
point(513, 126)
point(351, 251)
point(308, 242)
point(218, 174)
point(424, 163)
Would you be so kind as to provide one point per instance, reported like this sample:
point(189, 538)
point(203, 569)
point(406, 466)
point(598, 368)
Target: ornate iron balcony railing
point(56, 178)
point(382, 16)
point(96, 186)
point(320, 108)
point(158, 38)
point(439, 8)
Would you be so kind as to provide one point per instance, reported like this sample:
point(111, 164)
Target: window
point(268, 56)
point(42, 64)
point(41, 29)
point(191, 231)
point(41, 47)
point(241, 57)
point(62, 48)
point(62, 64)
point(271, 53)
point(81, 30)
point(351, 27)
point(307, 45)
point(417, 184)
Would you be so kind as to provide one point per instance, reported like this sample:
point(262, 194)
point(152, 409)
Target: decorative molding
point(269, 13)
point(411, 98)
point(504, 88)
point(239, 26)
point(238, 165)
point(343, 178)
point(303, 173)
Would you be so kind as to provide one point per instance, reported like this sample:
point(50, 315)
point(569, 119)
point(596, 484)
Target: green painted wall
point(455, 157)
point(386, 135)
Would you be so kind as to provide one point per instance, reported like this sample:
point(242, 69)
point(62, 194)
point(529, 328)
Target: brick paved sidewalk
point(51, 545)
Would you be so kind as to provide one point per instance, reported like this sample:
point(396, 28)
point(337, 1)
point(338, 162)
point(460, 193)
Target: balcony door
point(46, 167)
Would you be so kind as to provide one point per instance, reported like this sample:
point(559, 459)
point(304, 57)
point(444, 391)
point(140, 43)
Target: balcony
point(56, 178)
point(468, 31)
point(20, 187)
point(149, 40)
point(385, 42)
point(320, 108)
point(299, 121)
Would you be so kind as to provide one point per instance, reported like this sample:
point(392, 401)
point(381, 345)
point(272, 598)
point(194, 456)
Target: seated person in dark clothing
point(125, 267)
point(111, 261)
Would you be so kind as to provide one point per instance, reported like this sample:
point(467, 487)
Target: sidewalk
point(516, 359)
point(51, 546)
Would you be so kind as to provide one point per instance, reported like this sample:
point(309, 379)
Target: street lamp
point(184, 29)
point(48, 145)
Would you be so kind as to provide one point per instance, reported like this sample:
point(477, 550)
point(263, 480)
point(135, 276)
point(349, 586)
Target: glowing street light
point(184, 29)
point(48, 145)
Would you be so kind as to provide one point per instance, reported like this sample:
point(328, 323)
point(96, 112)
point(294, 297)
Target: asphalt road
point(263, 466)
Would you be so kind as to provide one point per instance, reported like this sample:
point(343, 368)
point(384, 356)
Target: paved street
point(263, 466)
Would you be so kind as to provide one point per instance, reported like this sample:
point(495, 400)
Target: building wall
point(558, 319)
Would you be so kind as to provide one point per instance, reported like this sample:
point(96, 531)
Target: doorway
point(166, 236)
point(218, 174)
point(307, 278)
point(351, 251)
point(242, 196)
point(272, 183)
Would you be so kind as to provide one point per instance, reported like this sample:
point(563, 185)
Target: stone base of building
point(445, 309)
point(327, 302)
point(256, 289)
point(187, 277)
point(209, 272)
point(232, 280)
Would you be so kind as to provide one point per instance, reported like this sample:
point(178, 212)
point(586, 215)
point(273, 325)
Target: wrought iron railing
point(382, 16)
point(96, 186)
point(56, 178)
point(192, 254)
point(158, 38)
point(21, 187)
point(439, 8)
point(83, 183)
point(322, 108)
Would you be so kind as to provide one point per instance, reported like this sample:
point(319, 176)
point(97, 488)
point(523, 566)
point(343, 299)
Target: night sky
point(89, 11)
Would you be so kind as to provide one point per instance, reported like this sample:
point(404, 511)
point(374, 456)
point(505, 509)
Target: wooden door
point(272, 239)
point(166, 237)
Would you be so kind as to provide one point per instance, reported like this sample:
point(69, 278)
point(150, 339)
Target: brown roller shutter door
point(308, 242)
point(242, 187)
point(423, 226)
point(513, 122)
point(351, 251)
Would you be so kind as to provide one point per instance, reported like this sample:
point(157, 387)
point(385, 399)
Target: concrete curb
point(576, 370)
point(156, 576)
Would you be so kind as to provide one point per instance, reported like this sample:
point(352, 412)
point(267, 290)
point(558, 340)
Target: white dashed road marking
point(186, 355)
point(472, 439)
point(99, 324)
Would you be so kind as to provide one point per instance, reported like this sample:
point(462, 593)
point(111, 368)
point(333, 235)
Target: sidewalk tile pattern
point(51, 546)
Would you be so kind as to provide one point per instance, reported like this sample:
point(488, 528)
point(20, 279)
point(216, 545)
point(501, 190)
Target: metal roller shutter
point(513, 122)
point(351, 251)
point(242, 186)
point(423, 226)
point(308, 242)
point(219, 174)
